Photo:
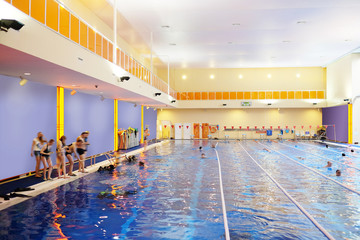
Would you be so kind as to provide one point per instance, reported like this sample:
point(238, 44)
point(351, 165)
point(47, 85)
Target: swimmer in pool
point(203, 155)
point(329, 164)
point(265, 149)
point(213, 145)
point(338, 173)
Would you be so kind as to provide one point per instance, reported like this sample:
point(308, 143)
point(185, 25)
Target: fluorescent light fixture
point(27, 74)
point(212, 76)
point(73, 92)
point(269, 75)
point(23, 81)
point(184, 77)
point(298, 75)
point(241, 76)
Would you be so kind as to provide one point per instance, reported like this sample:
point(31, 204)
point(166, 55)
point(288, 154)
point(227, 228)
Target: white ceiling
point(238, 33)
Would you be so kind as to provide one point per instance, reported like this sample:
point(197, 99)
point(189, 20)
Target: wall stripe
point(116, 124)
point(59, 112)
point(350, 123)
point(142, 124)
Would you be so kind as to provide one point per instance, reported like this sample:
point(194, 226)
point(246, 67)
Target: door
point(178, 131)
point(205, 130)
point(186, 130)
point(196, 130)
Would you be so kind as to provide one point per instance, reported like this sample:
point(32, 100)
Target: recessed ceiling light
point(165, 26)
point(229, 42)
point(286, 41)
point(347, 40)
point(273, 57)
point(298, 75)
point(236, 24)
point(172, 44)
point(269, 75)
point(240, 76)
point(184, 77)
point(301, 22)
point(74, 85)
point(27, 74)
point(212, 76)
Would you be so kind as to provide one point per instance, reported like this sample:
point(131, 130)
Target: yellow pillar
point(350, 122)
point(116, 121)
point(142, 124)
point(59, 112)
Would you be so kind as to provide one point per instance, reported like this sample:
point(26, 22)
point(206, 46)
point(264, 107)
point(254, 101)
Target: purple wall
point(84, 112)
point(129, 116)
point(339, 116)
point(24, 111)
point(150, 117)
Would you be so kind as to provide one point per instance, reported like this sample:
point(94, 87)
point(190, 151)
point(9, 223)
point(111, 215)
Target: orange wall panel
point(261, 95)
point(98, 46)
point(22, 5)
point(197, 96)
point(269, 95)
point(111, 52)
point(118, 56)
point(226, 95)
point(320, 94)
point(276, 95)
point(122, 60)
point(283, 95)
point(91, 40)
point(9, 1)
point(74, 34)
point(178, 96)
point(291, 95)
point(204, 96)
point(218, 95)
point(64, 22)
point(298, 95)
point(254, 95)
point(247, 95)
point(190, 96)
point(313, 94)
point(305, 95)
point(233, 95)
point(105, 48)
point(211, 96)
point(184, 96)
point(83, 35)
point(38, 10)
point(240, 95)
point(52, 14)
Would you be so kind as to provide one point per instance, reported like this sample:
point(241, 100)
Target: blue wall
point(129, 116)
point(24, 111)
point(84, 112)
point(339, 116)
point(150, 117)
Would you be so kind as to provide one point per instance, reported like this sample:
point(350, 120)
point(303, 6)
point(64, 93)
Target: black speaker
point(10, 23)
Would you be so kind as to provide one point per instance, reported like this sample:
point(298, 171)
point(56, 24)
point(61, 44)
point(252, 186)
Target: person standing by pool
point(146, 135)
point(69, 150)
point(60, 156)
point(80, 149)
point(45, 157)
point(36, 146)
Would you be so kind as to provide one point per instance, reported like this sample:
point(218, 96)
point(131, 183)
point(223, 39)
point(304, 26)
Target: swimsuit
point(80, 151)
point(47, 150)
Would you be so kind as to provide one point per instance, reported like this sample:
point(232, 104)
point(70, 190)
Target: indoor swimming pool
point(177, 196)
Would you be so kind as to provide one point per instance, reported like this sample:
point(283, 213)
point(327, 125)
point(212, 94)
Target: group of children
point(42, 150)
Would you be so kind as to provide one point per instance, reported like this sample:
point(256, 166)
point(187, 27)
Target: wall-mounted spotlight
point(346, 100)
point(269, 104)
point(147, 107)
point(157, 94)
point(135, 105)
point(224, 104)
point(5, 24)
point(124, 78)
point(314, 103)
point(102, 98)
point(73, 92)
point(173, 101)
point(23, 81)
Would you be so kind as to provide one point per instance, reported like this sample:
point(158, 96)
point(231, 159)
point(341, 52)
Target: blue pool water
point(177, 196)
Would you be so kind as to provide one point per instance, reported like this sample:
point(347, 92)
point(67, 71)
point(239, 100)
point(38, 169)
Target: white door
point(178, 130)
point(187, 130)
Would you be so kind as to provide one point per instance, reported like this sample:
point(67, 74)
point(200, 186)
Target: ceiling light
point(298, 75)
point(301, 22)
point(269, 75)
point(27, 74)
point(286, 41)
point(212, 76)
point(154, 109)
point(172, 44)
point(184, 77)
point(73, 92)
point(147, 107)
point(5, 24)
point(229, 42)
point(165, 26)
point(23, 81)
point(347, 40)
point(236, 24)
point(241, 76)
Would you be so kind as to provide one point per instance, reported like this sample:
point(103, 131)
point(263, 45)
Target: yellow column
point(142, 124)
point(350, 122)
point(116, 121)
point(59, 112)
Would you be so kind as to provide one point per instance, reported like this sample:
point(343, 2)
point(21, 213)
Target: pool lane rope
point(226, 225)
point(311, 169)
point(321, 156)
point(308, 215)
